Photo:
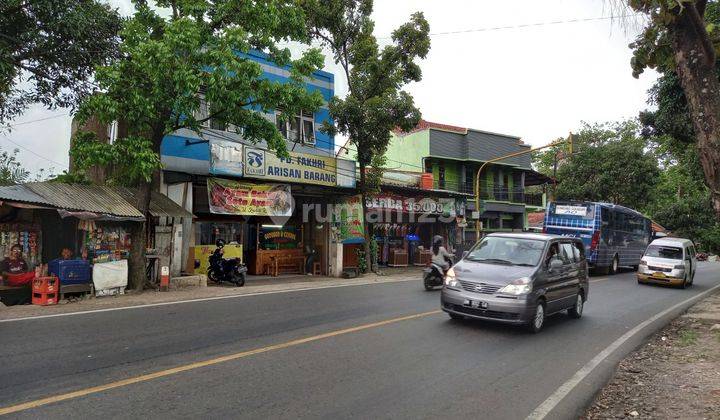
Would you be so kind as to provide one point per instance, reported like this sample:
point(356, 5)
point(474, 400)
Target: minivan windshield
point(510, 251)
point(669, 252)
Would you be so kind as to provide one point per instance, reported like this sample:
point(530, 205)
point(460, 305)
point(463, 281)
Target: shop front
point(276, 228)
point(70, 232)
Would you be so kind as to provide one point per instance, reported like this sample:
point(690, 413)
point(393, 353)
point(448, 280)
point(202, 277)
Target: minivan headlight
point(520, 286)
point(679, 267)
point(450, 279)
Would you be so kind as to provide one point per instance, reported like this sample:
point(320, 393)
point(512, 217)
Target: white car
point(670, 261)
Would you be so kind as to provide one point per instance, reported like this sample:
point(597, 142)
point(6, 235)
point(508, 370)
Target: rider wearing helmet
point(440, 256)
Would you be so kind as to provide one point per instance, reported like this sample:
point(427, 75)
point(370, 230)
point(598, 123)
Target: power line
point(525, 25)
point(63, 165)
point(38, 120)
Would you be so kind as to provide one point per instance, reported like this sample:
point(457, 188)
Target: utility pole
point(569, 141)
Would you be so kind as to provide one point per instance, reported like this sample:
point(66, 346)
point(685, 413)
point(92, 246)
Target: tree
point(11, 170)
point(681, 201)
point(155, 86)
point(610, 164)
point(375, 103)
point(681, 35)
point(48, 50)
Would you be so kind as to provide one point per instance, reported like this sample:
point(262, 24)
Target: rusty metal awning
point(116, 202)
point(160, 204)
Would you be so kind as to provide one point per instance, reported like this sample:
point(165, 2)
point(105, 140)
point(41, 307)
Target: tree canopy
point(49, 49)
point(376, 103)
point(171, 67)
point(680, 40)
point(610, 163)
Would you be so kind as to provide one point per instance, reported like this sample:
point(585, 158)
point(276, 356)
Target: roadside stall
point(77, 234)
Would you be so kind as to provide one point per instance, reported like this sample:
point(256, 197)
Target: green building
point(453, 156)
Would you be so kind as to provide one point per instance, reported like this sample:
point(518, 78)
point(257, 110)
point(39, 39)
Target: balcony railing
point(512, 195)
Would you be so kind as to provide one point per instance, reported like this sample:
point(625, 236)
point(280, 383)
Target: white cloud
point(537, 82)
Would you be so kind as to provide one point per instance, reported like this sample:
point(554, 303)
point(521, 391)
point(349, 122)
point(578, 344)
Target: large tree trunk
point(366, 226)
point(139, 237)
point(695, 61)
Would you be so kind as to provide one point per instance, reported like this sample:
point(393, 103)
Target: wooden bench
point(285, 265)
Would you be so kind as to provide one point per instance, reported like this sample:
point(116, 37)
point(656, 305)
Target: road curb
point(573, 397)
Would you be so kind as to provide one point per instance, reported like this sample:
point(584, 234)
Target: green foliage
point(48, 50)
point(653, 46)
point(362, 261)
point(376, 103)
point(166, 62)
point(133, 159)
point(610, 164)
point(11, 170)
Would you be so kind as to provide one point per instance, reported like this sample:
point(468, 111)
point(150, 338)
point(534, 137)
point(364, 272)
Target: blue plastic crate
point(71, 271)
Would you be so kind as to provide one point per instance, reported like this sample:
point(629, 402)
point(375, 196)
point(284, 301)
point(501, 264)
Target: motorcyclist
point(440, 255)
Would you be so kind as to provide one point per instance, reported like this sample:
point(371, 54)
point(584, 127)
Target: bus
point(613, 235)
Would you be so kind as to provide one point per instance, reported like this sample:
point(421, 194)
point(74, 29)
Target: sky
point(536, 82)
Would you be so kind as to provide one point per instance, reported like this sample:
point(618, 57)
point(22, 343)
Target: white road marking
point(151, 305)
point(553, 400)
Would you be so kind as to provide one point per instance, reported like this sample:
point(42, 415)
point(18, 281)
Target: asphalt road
point(309, 365)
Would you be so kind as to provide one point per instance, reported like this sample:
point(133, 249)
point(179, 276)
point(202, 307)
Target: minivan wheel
point(685, 283)
point(538, 320)
point(614, 266)
point(577, 310)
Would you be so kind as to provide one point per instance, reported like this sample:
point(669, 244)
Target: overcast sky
point(535, 82)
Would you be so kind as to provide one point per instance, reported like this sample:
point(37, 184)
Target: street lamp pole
point(497, 159)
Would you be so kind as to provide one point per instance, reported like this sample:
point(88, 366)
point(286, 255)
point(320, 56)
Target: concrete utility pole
point(569, 141)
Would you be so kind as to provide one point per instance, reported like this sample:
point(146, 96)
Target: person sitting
point(14, 263)
point(440, 255)
point(14, 269)
point(66, 254)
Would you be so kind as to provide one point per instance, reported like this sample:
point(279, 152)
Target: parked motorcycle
point(230, 270)
point(701, 256)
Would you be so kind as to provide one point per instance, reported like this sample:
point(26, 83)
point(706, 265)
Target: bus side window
point(605, 215)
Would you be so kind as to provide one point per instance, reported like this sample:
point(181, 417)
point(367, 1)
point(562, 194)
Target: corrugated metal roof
point(97, 199)
point(75, 197)
point(160, 204)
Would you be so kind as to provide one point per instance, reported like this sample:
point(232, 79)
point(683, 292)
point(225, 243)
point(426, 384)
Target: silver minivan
point(670, 261)
point(518, 278)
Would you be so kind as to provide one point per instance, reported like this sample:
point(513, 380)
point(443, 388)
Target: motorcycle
point(221, 269)
point(433, 276)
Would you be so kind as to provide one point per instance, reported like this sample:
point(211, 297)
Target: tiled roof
point(536, 219)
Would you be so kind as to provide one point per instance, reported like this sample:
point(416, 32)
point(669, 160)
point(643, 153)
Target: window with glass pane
point(294, 131)
point(308, 132)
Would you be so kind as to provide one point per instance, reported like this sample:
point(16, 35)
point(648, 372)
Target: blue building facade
point(198, 165)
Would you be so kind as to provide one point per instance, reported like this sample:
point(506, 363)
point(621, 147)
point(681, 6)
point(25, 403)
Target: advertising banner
point(226, 158)
point(233, 197)
point(421, 205)
point(203, 253)
point(299, 167)
point(348, 217)
point(286, 237)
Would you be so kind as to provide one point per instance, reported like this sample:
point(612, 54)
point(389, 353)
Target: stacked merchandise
point(105, 244)
point(25, 235)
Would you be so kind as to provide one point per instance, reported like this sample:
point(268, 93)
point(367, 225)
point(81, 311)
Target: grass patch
point(688, 338)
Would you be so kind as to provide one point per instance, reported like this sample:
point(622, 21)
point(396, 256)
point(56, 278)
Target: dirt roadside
point(675, 375)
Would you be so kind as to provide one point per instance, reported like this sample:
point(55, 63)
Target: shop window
point(300, 128)
point(207, 233)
